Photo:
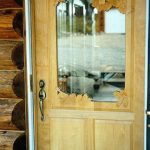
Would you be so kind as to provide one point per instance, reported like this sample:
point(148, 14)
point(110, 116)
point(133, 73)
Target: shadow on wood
point(10, 4)
point(18, 23)
point(6, 109)
point(7, 51)
point(20, 143)
point(19, 2)
point(7, 139)
point(6, 83)
point(18, 115)
point(10, 27)
point(18, 56)
point(11, 55)
point(18, 85)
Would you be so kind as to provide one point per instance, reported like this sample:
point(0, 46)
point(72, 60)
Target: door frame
point(29, 95)
point(147, 71)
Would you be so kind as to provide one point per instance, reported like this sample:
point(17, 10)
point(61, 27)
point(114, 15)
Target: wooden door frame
point(138, 9)
point(139, 18)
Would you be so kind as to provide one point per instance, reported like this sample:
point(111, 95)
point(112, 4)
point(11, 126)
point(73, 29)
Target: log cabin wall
point(12, 104)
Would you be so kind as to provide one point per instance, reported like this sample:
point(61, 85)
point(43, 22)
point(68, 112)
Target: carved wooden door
point(89, 77)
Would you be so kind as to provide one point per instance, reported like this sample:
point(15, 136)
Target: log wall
point(12, 104)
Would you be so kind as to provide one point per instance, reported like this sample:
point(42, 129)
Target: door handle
point(42, 96)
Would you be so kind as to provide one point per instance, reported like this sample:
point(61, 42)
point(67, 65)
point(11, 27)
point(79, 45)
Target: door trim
point(28, 73)
point(146, 73)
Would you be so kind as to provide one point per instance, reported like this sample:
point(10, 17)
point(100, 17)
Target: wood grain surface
point(12, 108)
point(18, 85)
point(18, 115)
point(4, 4)
point(7, 138)
point(8, 26)
point(6, 83)
point(11, 55)
point(6, 109)
point(20, 143)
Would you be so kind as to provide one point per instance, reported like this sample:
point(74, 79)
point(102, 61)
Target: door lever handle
point(42, 96)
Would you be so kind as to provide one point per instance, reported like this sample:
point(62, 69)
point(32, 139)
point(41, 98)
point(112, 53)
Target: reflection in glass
point(91, 50)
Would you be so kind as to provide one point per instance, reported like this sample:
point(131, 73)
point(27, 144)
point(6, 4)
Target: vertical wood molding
point(139, 65)
point(42, 18)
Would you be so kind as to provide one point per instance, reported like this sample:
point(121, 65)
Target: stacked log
point(8, 24)
point(7, 138)
point(4, 4)
point(11, 55)
point(12, 104)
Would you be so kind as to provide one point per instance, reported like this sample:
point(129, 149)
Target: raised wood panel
point(88, 134)
point(6, 84)
point(112, 135)
point(67, 134)
point(7, 139)
point(10, 4)
point(6, 108)
point(11, 55)
point(11, 24)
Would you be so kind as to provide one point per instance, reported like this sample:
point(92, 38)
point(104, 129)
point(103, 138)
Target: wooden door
point(74, 121)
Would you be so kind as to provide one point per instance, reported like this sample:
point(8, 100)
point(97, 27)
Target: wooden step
point(11, 24)
point(8, 138)
point(11, 84)
point(6, 109)
point(10, 4)
point(11, 55)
